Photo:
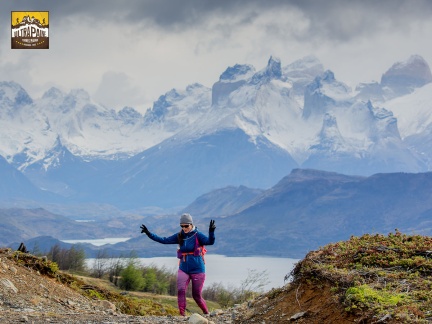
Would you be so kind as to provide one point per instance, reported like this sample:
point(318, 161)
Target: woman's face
point(186, 227)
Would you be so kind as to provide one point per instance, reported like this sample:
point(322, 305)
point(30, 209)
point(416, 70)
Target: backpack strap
point(202, 248)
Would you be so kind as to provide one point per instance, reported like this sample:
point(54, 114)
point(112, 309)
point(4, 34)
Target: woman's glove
point(212, 226)
point(144, 229)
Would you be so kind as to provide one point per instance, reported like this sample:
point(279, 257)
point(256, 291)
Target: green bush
point(131, 277)
point(365, 296)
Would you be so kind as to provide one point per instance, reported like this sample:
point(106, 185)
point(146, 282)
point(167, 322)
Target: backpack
point(198, 250)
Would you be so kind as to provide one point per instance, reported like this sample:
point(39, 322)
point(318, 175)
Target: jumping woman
point(191, 252)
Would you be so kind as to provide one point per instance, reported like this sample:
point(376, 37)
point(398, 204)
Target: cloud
point(117, 90)
point(340, 19)
point(145, 48)
point(334, 18)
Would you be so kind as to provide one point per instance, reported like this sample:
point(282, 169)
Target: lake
point(231, 271)
point(99, 242)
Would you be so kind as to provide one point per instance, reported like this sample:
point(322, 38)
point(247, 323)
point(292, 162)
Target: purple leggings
point(183, 280)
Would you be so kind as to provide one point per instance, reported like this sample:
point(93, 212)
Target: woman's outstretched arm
point(173, 239)
point(203, 239)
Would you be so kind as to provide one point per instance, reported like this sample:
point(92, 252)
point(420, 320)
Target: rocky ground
point(27, 296)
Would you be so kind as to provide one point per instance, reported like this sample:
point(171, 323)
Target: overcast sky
point(128, 53)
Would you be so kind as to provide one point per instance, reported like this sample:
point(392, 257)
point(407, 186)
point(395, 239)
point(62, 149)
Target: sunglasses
point(184, 226)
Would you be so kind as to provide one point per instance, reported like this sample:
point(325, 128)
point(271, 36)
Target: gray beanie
point(186, 219)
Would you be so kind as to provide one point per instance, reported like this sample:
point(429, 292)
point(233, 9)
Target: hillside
point(222, 202)
point(309, 208)
point(367, 279)
point(33, 290)
point(20, 225)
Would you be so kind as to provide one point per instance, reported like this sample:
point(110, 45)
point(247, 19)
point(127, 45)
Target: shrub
point(68, 259)
point(366, 296)
point(131, 277)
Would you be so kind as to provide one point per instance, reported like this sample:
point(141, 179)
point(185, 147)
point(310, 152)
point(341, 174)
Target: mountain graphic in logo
point(29, 29)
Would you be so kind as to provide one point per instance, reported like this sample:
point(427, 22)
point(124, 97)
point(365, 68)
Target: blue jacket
point(190, 263)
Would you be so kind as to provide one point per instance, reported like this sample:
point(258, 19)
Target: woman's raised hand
point(144, 229)
point(212, 226)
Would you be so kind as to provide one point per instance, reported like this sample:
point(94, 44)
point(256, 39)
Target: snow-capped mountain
point(31, 128)
point(251, 128)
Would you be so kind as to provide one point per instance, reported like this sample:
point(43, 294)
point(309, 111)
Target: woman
point(191, 254)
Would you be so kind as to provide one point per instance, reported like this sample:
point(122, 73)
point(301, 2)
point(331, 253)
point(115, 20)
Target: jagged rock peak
point(328, 76)
point(325, 78)
point(274, 70)
point(416, 70)
point(340, 89)
point(58, 144)
point(53, 93)
point(330, 137)
point(13, 92)
point(237, 72)
point(329, 121)
point(162, 105)
point(10, 85)
point(129, 113)
point(329, 141)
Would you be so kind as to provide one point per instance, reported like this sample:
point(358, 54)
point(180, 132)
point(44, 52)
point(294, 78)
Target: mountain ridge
point(303, 211)
point(125, 154)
